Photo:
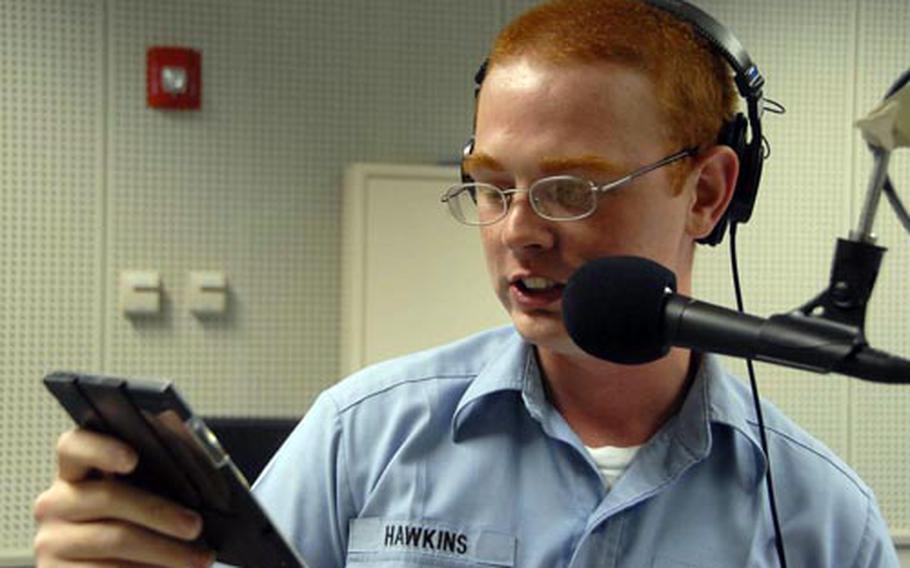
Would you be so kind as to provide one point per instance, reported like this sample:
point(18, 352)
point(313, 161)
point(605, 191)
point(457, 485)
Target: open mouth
point(537, 289)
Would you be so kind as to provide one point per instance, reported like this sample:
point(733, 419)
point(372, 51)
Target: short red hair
point(694, 86)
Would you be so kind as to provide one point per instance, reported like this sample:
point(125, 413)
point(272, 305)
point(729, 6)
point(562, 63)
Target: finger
point(114, 542)
point(110, 499)
point(80, 451)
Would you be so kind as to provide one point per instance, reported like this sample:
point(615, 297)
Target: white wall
point(93, 183)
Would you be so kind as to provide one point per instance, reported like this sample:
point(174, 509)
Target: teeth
point(537, 283)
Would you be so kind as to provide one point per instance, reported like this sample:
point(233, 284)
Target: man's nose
point(523, 229)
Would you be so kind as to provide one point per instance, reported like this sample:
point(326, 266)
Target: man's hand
point(85, 519)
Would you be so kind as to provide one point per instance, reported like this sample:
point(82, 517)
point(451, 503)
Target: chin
point(546, 331)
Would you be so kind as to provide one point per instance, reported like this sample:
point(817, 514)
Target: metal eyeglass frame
point(505, 194)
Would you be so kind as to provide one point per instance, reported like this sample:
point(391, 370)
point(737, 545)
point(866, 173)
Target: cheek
point(488, 238)
point(492, 248)
point(635, 225)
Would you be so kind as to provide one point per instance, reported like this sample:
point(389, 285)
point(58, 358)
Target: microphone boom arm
point(853, 274)
point(838, 317)
point(854, 269)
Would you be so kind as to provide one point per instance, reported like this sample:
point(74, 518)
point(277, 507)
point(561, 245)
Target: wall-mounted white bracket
point(208, 293)
point(140, 292)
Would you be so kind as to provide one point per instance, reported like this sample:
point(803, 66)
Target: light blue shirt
point(453, 457)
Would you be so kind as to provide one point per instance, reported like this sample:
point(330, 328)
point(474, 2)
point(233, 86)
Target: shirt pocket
point(386, 543)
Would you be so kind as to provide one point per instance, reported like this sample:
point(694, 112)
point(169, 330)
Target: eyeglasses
point(555, 198)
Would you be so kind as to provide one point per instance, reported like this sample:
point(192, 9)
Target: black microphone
point(625, 309)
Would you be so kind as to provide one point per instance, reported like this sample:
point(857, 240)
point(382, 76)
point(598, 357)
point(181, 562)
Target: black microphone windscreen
point(612, 308)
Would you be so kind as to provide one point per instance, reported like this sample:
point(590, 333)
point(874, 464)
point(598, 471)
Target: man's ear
point(714, 178)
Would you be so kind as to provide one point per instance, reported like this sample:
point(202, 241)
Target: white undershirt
point(612, 461)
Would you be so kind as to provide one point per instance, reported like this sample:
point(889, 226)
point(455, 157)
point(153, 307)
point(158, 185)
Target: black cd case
point(179, 458)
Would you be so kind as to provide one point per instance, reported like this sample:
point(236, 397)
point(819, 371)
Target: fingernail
point(125, 460)
point(192, 522)
point(204, 560)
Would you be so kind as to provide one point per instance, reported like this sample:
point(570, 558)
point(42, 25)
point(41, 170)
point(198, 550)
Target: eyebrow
point(588, 162)
point(481, 160)
point(549, 165)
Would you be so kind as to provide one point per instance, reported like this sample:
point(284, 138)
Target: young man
point(514, 447)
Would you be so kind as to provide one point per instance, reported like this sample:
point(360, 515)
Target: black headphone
point(733, 133)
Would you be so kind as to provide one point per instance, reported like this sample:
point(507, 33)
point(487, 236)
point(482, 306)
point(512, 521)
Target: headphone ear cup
point(733, 134)
point(751, 160)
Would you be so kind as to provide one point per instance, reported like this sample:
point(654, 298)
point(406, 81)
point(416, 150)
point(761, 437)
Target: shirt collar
point(730, 403)
point(506, 372)
point(714, 400)
point(713, 397)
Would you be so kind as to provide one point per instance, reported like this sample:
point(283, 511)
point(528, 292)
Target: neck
point(617, 405)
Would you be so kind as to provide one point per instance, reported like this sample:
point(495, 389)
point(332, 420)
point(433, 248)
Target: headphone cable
point(772, 502)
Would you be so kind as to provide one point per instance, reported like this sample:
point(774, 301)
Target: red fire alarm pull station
point(174, 78)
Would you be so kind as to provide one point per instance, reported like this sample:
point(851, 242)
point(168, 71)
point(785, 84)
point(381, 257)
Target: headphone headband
point(749, 82)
